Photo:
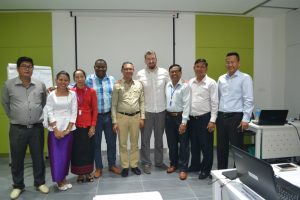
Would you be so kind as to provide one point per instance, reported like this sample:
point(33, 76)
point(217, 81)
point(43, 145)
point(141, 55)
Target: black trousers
point(227, 132)
point(179, 156)
point(20, 137)
point(201, 140)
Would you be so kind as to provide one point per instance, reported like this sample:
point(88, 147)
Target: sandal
point(89, 178)
point(80, 179)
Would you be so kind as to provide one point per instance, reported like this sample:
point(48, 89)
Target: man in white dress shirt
point(203, 114)
point(154, 80)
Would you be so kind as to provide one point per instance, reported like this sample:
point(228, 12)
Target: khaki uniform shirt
point(128, 97)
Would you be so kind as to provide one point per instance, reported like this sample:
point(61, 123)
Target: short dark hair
point(79, 70)
point(24, 59)
point(63, 73)
point(234, 54)
point(125, 63)
point(201, 60)
point(175, 65)
point(101, 60)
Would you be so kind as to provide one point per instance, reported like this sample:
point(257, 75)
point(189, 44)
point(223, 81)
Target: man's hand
point(142, 123)
point(182, 128)
point(50, 89)
point(116, 128)
point(211, 127)
point(243, 126)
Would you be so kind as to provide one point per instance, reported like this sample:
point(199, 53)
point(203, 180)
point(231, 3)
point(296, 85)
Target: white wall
point(63, 38)
point(186, 43)
point(123, 38)
point(292, 86)
point(269, 62)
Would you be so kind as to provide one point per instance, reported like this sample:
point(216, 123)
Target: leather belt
point(198, 116)
point(130, 114)
point(228, 114)
point(174, 114)
point(27, 126)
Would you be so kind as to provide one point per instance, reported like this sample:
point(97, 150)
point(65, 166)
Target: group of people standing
point(158, 101)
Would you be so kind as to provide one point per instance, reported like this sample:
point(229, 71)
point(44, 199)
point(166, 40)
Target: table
point(224, 188)
point(276, 141)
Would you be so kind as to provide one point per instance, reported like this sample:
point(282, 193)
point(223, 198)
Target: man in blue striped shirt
point(235, 108)
point(103, 84)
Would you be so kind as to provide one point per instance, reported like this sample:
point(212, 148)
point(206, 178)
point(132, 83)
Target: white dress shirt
point(154, 82)
point(236, 94)
point(204, 97)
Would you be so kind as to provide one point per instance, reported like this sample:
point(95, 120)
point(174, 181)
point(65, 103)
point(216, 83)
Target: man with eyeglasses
point(103, 84)
point(23, 99)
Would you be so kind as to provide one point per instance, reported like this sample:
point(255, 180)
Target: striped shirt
point(103, 88)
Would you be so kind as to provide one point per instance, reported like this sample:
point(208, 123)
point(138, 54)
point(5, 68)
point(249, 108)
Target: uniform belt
point(228, 114)
point(27, 126)
point(129, 114)
point(174, 114)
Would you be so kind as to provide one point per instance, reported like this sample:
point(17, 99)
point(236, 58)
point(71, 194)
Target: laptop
point(255, 173)
point(272, 117)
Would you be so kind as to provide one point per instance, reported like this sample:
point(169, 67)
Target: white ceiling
point(232, 7)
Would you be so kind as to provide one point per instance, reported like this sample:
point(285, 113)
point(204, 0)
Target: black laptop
point(272, 117)
point(255, 173)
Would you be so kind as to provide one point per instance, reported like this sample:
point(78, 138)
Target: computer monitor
point(272, 117)
point(255, 173)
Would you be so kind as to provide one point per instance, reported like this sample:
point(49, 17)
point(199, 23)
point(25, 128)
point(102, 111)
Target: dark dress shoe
point(136, 170)
point(171, 169)
point(204, 175)
point(124, 172)
point(182, 175)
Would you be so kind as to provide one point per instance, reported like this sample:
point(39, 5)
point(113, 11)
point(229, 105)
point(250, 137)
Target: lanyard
point(172, 93)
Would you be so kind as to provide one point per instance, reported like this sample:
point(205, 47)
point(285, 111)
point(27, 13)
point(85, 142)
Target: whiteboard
point(42, 73)
point(119, 39)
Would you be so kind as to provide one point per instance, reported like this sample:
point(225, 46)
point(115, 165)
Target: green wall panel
point(22, 34)
point(224, 31)
point(218, 35)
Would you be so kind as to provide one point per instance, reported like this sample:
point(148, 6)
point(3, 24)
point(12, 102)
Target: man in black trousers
point(235, 108)
point(203, 114)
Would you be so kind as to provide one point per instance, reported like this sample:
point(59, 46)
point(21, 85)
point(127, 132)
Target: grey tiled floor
point(169, 185)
